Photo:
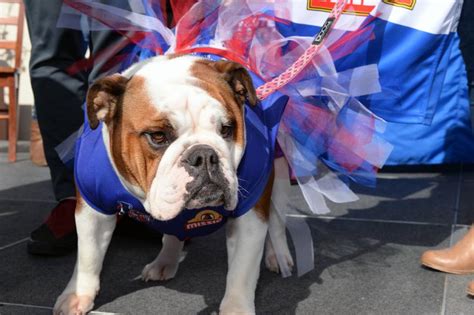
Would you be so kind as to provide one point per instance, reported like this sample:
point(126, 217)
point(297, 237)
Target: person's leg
point(466, 36)
point(459, 258)
point(58, 100)
point(58, 94)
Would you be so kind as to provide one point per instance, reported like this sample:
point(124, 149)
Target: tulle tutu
point(326, 135)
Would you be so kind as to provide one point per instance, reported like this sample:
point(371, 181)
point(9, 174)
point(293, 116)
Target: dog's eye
point(227, 130)
point(157, 139)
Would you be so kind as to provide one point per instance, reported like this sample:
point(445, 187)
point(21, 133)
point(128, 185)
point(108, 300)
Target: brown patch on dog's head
point(134, 158)
point(125, 107)
point(232, 73)
point(238, 79)
point(230, 84)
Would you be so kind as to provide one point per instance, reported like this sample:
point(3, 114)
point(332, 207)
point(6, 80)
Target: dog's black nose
point(201, 158)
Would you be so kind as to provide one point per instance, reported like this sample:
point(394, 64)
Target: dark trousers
point(466, 35)
point(59, 95)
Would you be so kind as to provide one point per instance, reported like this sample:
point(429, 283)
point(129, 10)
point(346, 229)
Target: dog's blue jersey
point(101, 188)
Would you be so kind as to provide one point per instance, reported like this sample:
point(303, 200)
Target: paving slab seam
point(28, 200)
point(14, 243)
point(6, 214)
point(456, 210)
point(50, 308)
point(330, 218)
point(445, 291)
point(457, 205)
point(25, 305)
point(451, 240)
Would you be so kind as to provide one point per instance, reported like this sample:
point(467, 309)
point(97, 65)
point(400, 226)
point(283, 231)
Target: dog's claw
point(271, 261)
point(159, 271)
point(272, 264)
point(73, 304)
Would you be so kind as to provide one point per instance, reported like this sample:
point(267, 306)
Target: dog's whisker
point(243, 191)
point(241, 179)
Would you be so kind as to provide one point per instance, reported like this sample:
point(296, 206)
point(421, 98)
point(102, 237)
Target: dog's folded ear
point(103, 98)
point(239, 80)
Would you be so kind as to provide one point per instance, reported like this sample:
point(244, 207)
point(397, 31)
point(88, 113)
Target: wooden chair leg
point(12, 120)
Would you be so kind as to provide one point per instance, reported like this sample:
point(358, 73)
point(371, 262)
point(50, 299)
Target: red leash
point(283, 79)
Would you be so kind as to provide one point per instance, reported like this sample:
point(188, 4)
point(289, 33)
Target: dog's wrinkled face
point(175, 130)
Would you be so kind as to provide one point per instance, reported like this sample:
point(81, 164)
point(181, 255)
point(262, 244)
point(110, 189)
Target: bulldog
point(164, 142)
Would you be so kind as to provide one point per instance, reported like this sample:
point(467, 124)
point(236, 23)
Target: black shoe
point(57, 235)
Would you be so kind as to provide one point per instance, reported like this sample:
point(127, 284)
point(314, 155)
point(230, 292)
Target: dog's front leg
point(165, 266)
point(245, 242)
point(94, 231)
point(277, 245)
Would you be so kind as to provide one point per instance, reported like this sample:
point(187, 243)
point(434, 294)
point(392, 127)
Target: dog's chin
point(210, 195)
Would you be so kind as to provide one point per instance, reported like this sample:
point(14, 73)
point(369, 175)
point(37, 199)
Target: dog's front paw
point(271, 261)
point(73, 304)
point(235, 305)
point(160, 270)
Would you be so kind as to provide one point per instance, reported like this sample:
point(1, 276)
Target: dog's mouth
point(208, 195)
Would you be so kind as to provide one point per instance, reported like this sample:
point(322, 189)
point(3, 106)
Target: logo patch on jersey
point(407, 4)
point(357, 7)
point(203, 218)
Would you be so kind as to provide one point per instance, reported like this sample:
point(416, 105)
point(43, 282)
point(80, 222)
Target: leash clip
point(324, 31)
point(123, 207)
